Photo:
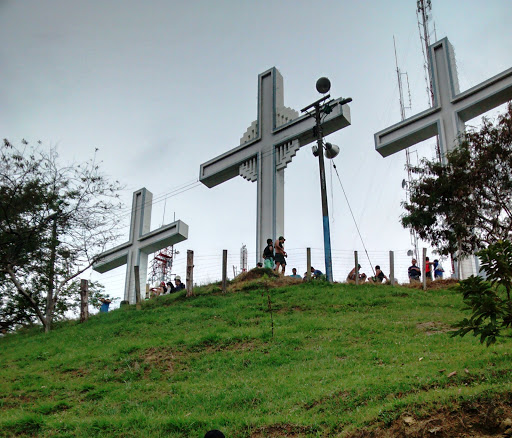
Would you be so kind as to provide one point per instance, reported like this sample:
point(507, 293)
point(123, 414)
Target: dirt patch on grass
point(449, 283)
point(260, 277)
point(279, 430)
point(434, 327)
point(477, 419)
point(164, 359)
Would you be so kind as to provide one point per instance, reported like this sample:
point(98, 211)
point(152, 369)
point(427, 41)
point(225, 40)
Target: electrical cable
point(354, 219)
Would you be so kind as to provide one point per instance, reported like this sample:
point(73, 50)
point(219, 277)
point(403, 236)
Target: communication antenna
point(243, 258)
point(405, 185)
point(424, 15)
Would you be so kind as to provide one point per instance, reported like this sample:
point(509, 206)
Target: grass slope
point(342, 358)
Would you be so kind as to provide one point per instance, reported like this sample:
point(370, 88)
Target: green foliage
point(464, 205)
point(491, 311)
point(54, 221)
point(342, 357)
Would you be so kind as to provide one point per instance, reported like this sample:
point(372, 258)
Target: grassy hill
point(327, 360)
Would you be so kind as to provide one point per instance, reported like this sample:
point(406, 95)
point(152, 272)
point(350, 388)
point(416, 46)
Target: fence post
point(308, 258)
point(147, 291)
point(224, 269)
point(357, 266)
point(84, 300)
point(392, 267)
point(423, 269)
point(137, 287)
point(190, 273)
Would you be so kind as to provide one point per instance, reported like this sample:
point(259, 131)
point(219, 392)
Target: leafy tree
point(465, 204)
point(490, 301)
point(54, 221)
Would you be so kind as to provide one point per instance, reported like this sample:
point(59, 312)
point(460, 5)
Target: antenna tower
point(399, 74)
point(161, 265)
point(424, 16)
point(243, 258)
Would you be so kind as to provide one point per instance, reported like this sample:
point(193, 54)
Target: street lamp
point(321, 107)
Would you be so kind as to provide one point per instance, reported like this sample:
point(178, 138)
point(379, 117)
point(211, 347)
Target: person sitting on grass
point(316, 273)
point(352, 275)
point(294, 273)
point(179, 285)
point(379, 276)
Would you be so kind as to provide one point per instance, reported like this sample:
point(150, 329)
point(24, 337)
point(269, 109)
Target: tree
point(465, 205)
point(489, 301)
point(54, 221)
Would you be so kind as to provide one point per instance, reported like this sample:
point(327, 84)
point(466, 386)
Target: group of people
point(379, 276)
point(163, 287)
point(435, 267)
point(274, 255)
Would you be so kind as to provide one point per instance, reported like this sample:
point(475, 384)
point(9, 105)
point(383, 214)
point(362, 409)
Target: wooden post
point(424, 269)
point(137, 287)
point(357, 267)
point(84, 300)
point(392, 267)
point(147, 291)
point(190, 273)
point(224, 269)
point(308, 258)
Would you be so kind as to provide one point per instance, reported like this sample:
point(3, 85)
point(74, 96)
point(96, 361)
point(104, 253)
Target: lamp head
point(323, 85)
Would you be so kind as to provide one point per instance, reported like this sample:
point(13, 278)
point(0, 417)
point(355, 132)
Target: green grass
point(342, 357)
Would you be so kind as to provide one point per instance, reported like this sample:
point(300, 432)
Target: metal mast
point(424, 15)
point(399, 74)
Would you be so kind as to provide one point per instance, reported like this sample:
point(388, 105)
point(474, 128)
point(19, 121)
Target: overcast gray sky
point(163, 86)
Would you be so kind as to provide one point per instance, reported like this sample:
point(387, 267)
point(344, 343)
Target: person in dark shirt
point(268, 255)
point(179, 285)
point(379, 276)
point(414, 272)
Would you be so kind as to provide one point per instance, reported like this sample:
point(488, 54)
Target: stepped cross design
point(265, 150)
point(451, 107)
point(141, 243)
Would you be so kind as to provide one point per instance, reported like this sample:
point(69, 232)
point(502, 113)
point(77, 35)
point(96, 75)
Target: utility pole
point(321, 107)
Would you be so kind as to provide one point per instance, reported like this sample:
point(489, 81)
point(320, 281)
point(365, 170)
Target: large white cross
point(265, 150)
point(142, 242)
point(450, 111)
point(451, 108)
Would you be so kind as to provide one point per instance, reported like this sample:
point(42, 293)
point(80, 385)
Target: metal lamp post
point(323, 85)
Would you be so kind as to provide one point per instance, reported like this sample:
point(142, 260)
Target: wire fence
point(208, 266)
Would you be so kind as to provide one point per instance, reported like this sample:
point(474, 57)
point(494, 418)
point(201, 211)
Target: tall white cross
point(450, 111)
point(265, 150)
point(142, 242)
point(451, 108)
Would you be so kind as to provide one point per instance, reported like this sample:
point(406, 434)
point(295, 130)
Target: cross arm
point(408, 132)
point(113, 258)
point(163, 237)
point(226, 166)
point(485, 96)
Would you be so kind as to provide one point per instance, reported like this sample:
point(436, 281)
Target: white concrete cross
point(451, 108)
point(142, 242)
point(265, 150)
point(450, 111)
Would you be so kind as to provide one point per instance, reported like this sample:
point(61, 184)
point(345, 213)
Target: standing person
point(294, 274)
point(438, 270)
point(428, 268)
point(268, 255)
point(379, 276)
point(414, 272)
point(105, 302)
point(280, 254)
